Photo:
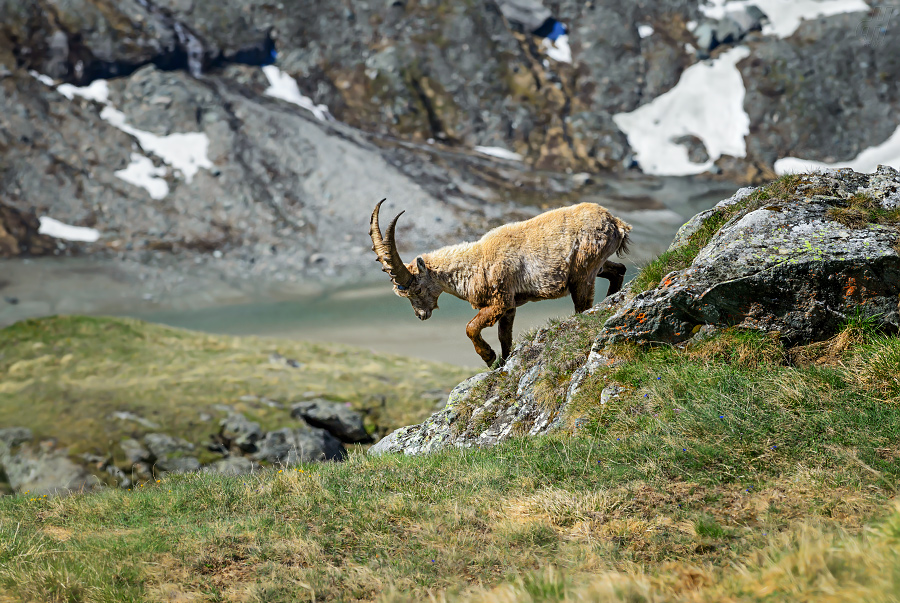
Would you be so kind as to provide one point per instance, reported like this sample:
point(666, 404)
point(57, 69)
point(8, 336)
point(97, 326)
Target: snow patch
point(141, 172)
point(283, 86)
point(645, 31)
point(186, 152)
point(499, 152)
point(98, 91)
point(708, 102)
point(559, 50)
point(44, 79)
point(784, 15)
point(887, 153)
point(59, 230)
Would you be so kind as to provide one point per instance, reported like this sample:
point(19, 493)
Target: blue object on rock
point(558, 30)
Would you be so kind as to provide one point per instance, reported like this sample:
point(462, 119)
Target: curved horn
point(386, 249)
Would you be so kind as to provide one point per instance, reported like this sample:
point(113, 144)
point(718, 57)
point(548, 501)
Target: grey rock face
point(792, 83)
point(305, 444)
point(786, 266)
point(340, 421)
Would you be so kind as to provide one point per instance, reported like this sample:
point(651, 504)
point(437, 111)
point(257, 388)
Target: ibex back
point(557, 253)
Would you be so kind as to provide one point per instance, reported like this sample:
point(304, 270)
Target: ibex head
point(413, 281)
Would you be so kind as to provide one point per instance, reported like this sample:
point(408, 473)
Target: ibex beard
point(552, 255)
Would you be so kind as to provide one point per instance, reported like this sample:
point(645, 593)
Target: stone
point(134, 451)
point(178, 464)
point(305, 444)
point(231, 465)
point(15, 436)
point(162, 445)
point(237, 430)
point(336, 417)
point(49, 472)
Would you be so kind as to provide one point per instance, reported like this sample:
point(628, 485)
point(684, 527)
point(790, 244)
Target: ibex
point(547, 257)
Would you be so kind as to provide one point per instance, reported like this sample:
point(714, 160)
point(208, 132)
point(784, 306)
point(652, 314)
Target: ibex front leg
point(505, 332)
point(485, 318)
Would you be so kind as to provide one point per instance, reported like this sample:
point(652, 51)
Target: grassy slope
point(730, 470)
point(63, 377)
point(711, 455)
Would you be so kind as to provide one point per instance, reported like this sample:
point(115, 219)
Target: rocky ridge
point(796, 259)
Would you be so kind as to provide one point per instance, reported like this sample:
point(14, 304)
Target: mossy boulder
point(798, 264)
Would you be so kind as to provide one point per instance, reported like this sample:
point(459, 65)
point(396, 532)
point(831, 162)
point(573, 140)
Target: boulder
point(44, 471)
point(236, 430)
point(15, 436)
point(178, 464)
point(336, 417)
point(232, 465)
point(289, 446)
point(134, 451)
point(784, 265)
point(161, 445)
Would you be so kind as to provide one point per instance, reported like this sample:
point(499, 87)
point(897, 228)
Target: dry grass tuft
point(740, 348)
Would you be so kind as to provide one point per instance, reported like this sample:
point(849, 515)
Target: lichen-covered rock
point(779, 265)
point(494, 406)
point(337, 418)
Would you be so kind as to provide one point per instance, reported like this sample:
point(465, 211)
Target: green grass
point(719, 456)
point(861, 210)
point(64, 376)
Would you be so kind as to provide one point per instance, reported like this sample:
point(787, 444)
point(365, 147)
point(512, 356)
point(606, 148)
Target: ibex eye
point(402, 288)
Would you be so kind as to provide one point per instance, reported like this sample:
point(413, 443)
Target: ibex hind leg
point(614, 272)
point(505, 333)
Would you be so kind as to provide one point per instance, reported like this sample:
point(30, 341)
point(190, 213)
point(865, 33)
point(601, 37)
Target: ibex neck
point(452, 268)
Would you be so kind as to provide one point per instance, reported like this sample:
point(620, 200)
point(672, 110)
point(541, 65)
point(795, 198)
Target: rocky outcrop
point(796, 259)
point(787, 265)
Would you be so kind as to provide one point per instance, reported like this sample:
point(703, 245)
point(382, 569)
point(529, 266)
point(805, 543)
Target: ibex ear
point(421, 264)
